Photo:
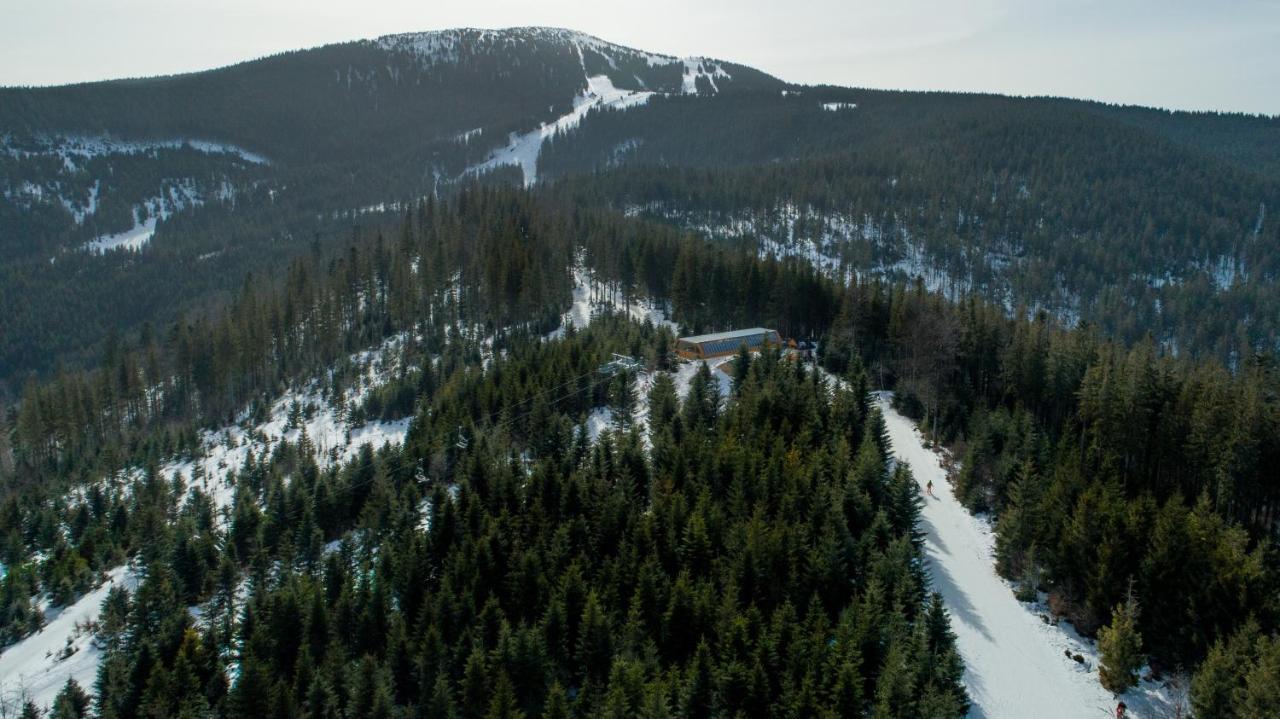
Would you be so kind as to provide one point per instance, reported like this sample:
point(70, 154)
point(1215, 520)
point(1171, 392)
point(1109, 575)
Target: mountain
point(348, 388)
point(1135, 220)
point(239, 168)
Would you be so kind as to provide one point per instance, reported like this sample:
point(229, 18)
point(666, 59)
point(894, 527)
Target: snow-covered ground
point(685, 373)
point(599, 420)
point(39, 665)
point(74, 149)
point(174, 197)
point(326, 426)
point(1015, 662)
point(585, 306)
point(132, 239)
point(522, 150)
point(696, 68)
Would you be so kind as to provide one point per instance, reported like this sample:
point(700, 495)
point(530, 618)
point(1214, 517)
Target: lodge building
point(720, 344)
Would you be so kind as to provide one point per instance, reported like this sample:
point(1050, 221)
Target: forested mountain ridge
point(212, 174)
point(1160, 217)
point(1088, 212)
point(500, 556)
point(348, 432)
point(394, 95)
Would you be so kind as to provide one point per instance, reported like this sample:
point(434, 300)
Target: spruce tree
point(1261, 697)
point(72, 702)
point(1120, 646)
point(741, 366)
point(503, 705)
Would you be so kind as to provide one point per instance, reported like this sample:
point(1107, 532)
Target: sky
point(1178, 54)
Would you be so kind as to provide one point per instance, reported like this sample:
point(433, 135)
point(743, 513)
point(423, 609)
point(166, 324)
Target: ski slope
point(522, 150)
point(1015, 665)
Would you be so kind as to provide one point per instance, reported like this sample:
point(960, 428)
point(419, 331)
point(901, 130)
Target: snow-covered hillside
point(523, 149)
point(90, 169)
point(301, 411)
point(1017, 662)
point(174, 197)
point(613, 77)
point(588, 303)
point(450, 46)
point(38, 666)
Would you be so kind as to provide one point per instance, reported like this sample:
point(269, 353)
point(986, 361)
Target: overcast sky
point(1186, 54)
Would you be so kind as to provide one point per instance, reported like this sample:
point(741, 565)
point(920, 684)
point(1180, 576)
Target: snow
point(446, 46)
point(40, 664)
point(73, 148)
point(580, 311)
point(523, 149)
point(685, 373)
point(132, 239)
point(224, 451)
point(1015, 664)
point(584, 307)
point(80, 213)
point(599, 420)
point(174, 196)
point(834, 106)
point(697, 67)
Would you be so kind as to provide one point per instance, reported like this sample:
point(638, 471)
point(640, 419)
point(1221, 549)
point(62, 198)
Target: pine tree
point(699, 686)
point(557, 705)
point(741, 367)
point(1120, 646)
point(1262, 683)
point(72, 702)
point(439, 705)
point(503, 705)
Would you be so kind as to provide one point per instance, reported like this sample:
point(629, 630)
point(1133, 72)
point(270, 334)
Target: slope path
point(1015, 665)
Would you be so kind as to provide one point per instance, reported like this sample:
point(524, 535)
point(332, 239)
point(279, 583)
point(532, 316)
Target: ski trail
point(1014, 661)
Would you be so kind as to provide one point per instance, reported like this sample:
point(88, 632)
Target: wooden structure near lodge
point(720, 344)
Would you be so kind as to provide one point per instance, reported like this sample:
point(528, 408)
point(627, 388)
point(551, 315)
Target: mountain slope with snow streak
point(1016, 664)
point(37, 667)
point(647, 70)
point(323, 420)
point(523, 149)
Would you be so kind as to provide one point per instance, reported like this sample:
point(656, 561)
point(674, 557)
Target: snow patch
point(599, 420)
point(132, 239)
point(585, 307)
point(78, 148)
point(173, 197)
point(696, 68)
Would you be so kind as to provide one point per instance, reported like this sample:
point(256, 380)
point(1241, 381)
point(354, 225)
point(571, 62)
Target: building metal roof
point(735, 334)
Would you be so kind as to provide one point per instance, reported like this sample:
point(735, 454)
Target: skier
point(1122, 710)
point(928, 488)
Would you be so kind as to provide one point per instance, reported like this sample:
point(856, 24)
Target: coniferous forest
point(571, 521)
point(752, 555)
